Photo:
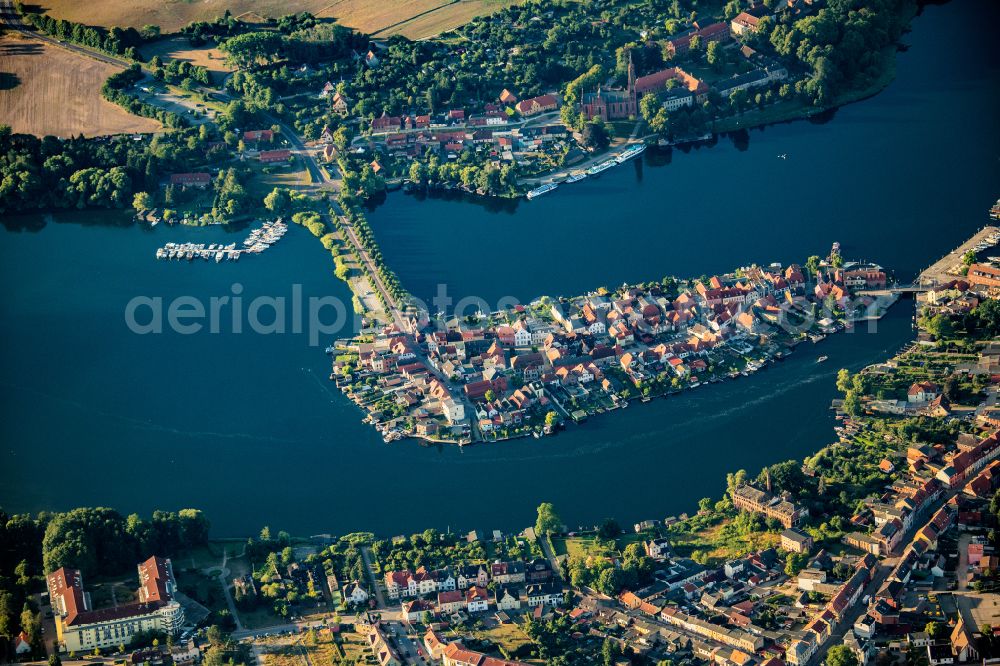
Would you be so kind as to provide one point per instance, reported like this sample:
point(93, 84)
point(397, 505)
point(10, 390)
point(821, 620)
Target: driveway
point(366, 555)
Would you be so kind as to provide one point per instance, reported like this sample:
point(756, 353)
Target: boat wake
point(150, 426)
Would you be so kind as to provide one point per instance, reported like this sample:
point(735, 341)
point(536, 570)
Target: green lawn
point(586, 545)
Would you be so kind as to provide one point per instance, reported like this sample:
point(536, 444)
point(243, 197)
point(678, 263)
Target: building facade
point(79, 627)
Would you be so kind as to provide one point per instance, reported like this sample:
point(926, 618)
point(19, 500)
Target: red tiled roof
point(111, 614)
point(67, 585)
point(154, 579)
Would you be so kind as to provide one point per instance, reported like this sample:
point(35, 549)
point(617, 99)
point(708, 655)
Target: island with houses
point(527, 370)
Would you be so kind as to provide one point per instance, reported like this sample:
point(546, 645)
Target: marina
point(256, 242)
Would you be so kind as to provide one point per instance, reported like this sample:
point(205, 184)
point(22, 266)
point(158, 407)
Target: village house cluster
point(521, 370)
point(502, 586)
point(506, 130)
point(498, 135)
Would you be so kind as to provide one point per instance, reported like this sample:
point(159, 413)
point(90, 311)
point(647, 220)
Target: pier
point(256, 242)
point(949, 267)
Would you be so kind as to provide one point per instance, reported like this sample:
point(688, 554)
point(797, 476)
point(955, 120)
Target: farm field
point(172, 15)
point(179, 48)
point(416, 19)
point(48, 90)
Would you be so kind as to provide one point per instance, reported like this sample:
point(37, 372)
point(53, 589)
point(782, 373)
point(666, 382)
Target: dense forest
point(52, 173)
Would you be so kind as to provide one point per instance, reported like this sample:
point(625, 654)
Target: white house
point(544, 593)
point(477, 599)
point(355, 594)
point(522, 337)
point(507, 598)
point(658, 548)
point(453, 410)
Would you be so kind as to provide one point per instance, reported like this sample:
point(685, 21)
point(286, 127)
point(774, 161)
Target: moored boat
point(630, 152)
point(539, 191)
point(603, 166)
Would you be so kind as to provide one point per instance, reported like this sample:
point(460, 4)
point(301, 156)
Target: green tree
point(609, 529)
point(548, 520)
point(649, 105)
point(714, 55)
point(595, 135)
point(8, 615)
point(841, 655)
point(795, 562)
point(279, 200)
point(734, 480)
point(142, 201)
point(812, 266)
point(851, 405)
point(844, 383)
point(23, 573)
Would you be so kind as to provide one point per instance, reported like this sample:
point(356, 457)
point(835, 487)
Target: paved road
point(962, 572)
point(366, 555)
point(549, 555)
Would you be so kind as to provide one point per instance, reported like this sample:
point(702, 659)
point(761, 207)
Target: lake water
point(247, 426)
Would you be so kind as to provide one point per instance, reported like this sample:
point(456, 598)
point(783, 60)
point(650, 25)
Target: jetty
point(256, 242)
point(949, 267)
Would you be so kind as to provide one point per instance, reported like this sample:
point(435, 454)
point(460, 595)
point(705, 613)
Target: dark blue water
point(247, 427)
point(896, 179)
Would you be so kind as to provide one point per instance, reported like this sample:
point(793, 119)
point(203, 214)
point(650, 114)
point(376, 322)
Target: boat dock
point(949, 267)
point(256, 242)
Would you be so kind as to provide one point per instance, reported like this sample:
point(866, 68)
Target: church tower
point(631, 74)
point(633, 97)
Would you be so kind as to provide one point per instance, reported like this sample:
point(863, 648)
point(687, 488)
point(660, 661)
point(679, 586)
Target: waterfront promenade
point(949, 267)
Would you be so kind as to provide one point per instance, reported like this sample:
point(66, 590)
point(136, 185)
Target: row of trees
point(115, 41)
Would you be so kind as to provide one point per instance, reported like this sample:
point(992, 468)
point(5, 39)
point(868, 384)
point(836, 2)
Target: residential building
point(796, 540)
point(983, 275)
point(477, 599)
point(273, 156)
point(748, 498)
point(536, 105)
point(506, 598)
point(80, 628)
point(549, 594)
point(199, 179)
